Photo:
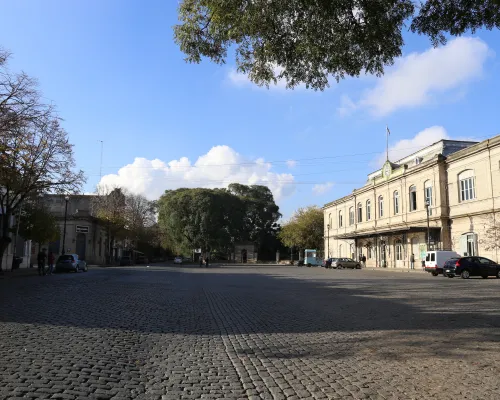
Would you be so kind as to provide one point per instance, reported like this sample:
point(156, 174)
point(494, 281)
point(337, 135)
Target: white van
point(434, 260)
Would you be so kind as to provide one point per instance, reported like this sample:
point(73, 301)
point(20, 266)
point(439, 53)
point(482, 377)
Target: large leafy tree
point(37, 223)
point(210, 219)
point(304, 230)
point(35, 153)
point(306, 41)
point(261, 215)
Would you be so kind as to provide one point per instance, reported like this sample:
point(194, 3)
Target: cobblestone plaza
point(249, 333)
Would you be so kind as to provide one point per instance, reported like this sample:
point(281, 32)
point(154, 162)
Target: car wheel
point(358, 266)
point(498, 274)
point(450, 276)
point(434, 273)
point(465, 274)
point(339, 266)
point(484, 276)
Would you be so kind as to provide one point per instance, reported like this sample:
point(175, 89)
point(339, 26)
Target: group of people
point(43, 259)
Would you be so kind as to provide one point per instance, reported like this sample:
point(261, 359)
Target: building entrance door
point(244, 256)
point(81, 245)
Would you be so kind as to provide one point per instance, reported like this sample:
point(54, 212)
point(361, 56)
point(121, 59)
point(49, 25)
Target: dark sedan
point(466, 267)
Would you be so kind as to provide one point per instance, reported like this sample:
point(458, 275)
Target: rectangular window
point(351, 217)
point(467, 189)
point(360, 214)
point(340, 220)
point(399, 252)
point(428, 198)
point(413, 201)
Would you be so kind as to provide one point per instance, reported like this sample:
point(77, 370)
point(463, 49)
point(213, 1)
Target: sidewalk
point(19, 273)
point(413, 271)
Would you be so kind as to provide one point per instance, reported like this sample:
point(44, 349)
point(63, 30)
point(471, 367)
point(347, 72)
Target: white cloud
point(218, 168)
point(291, 164)
point(406, 147)
point(347, 106)
point(422, 78)
point(322, 188)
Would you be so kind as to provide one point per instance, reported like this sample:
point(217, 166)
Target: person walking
point(363, 260)
point(51, 260)
point(412, 261)
point(42, 257)
point(201, 261)
point(206, 262)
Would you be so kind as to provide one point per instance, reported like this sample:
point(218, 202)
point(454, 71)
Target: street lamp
point(328, 239)
point(427, 205)
point(64, 229)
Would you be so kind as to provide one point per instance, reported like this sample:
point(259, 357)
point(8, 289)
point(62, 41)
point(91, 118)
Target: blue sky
point(116, 76)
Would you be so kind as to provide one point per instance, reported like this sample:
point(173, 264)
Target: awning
point(384, 231)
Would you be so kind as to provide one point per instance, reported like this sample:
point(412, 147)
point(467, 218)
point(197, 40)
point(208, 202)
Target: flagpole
point(387, 133)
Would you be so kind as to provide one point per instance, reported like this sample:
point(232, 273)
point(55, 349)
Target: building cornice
point(476, 148)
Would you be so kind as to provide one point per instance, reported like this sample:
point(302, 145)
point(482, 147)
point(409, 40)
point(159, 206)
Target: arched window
point(399, 250)
point(467, 185)
point(396, 202)
point(413, 198)
point(351, 216)
point(428, 195)
point(381, 206)
point(360, 213)
point(341, 220)
point(368, 210)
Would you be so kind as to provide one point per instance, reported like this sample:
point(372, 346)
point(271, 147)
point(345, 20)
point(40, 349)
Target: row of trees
point(35, 154)
point(214, 219)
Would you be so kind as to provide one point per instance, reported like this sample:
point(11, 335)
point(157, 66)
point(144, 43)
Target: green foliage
point(214, 219)
point(304, 41)
point(200, 218)
point(38, 224)
point(304, 230)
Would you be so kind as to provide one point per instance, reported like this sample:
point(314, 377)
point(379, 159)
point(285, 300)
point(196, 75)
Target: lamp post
point(66, 198)
point(427, 204)
point(328, 239)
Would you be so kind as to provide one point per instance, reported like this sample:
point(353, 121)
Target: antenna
point(100, 168)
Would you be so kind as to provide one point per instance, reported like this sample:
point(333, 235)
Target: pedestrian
point(42, 257)
point(201, 261)
point(363, 260)
point(206, 262)
point(412, 261)
point(51, 260)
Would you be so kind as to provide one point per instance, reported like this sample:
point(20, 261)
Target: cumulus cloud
point(406, 147)
point(218, 168)
point(422, 78)
point(322, 188)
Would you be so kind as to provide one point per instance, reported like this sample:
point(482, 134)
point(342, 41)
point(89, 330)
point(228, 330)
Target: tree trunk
point(4, 237)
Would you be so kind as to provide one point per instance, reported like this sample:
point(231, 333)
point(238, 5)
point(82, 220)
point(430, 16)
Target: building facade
point(84, 235)
point(445, 196)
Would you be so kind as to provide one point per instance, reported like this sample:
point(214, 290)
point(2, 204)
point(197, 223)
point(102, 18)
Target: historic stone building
point(450, 189)
point(84, 234)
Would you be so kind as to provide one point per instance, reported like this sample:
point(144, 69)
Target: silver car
point(70, 262)
point(345, 263)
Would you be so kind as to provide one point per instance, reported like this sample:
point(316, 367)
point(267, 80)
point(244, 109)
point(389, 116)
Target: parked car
point(449, 267)
point(474, 266)
point(434, 260)
point(70, 262)
point(345, 263)
point(178, 260)
point(125, 260)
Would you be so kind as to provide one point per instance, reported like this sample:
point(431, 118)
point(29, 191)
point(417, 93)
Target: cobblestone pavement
point(249, 332)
